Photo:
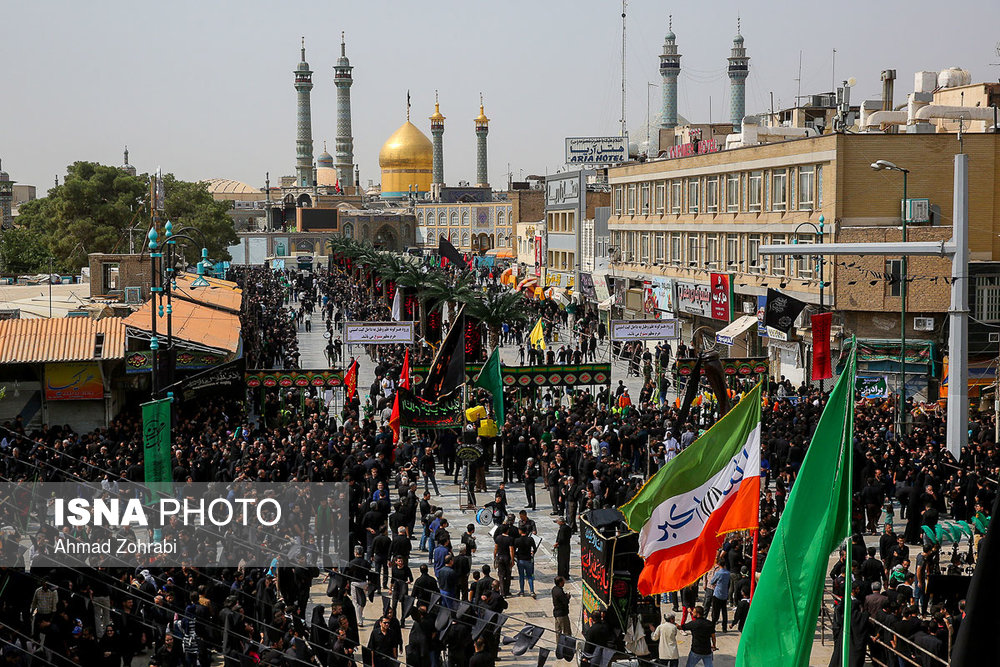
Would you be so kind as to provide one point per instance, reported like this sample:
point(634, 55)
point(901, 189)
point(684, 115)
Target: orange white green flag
point(710, 489)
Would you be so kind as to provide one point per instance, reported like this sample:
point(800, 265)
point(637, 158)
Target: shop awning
point(501, 253)
point(606, 304)
point(736, 328)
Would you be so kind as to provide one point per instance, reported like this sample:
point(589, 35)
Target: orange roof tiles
point(193, 323)
point(61, 339)
point(220, 294)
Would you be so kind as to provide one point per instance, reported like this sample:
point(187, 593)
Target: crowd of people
point(440, 591)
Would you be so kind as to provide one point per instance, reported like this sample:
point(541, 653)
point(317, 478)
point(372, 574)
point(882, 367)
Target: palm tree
point(496, 308)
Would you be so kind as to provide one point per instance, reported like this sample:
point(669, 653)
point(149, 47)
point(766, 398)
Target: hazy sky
point(204, 89)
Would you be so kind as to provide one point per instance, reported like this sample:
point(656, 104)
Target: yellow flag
point(537, 336)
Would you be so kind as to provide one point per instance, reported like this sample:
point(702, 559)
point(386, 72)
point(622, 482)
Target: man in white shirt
point(671, 447)
point(666, 635)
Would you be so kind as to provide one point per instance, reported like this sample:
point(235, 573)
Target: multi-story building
point(678, 221)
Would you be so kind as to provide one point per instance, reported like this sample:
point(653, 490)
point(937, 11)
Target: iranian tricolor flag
point(710, 489)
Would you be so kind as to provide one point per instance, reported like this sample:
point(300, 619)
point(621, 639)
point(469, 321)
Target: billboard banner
point(73, 382)
point(596, 150)
point(872, 386)
point(645, 329)
point(378, 333)
point(722, 296)
point(694, 299)
point(658, 297)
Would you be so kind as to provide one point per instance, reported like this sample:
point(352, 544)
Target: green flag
point(156, 444)
point(815, 521)
point(491, 380)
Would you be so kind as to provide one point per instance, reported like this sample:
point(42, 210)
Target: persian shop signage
point(561, 191)
point(693, 148)
point(694, 299)
point(596, 150)
point(722, 296)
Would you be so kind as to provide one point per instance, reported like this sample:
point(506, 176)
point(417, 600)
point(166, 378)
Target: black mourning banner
point(416, 412)
point(448, 370)
point(781, 310)
point(451, 253)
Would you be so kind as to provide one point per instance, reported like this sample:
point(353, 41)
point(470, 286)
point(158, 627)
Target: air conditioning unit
point(133, 296)
point(923, 324)
point(995, 337)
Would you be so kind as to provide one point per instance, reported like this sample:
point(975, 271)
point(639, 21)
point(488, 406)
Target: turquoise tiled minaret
point(739, 67)
point(670, 67)
point(345, 139)
point(437, 134)
point(482, 129)
point(303, 128)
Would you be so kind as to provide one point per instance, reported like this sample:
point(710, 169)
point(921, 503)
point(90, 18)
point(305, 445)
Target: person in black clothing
point(503, 555)
point(524, 554)
point(600, 634)
point(530, 474)
point(560, 607)
point(380, 563)
point(401, 578)
point(563, 545)
point(702, 637)
point(482, 657)
point(425, 585)
point(872, 497)
point(381, 647)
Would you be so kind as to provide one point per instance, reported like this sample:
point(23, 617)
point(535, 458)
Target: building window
point(645, 198)
point(693, 191)
point(806, 188)
point(618, 200)
point(349, 230)
point(501, 218)
point(712, 194)
point(712, 251)
point(694, 250)
point(661, 198)
point(465, 238)
point(420, 217)
point(778, 261)
point(987, 298)
point(779, 189)
point(465, 218)
point(644, 249)
point(111, 277)
point(894, 269)
point(431, 219)
point(661, 243)
point(676, 249)
point(631, 200)
point(754, 264)
point(454, 218)
point(755, 184)
point(732, 193)
point(675, 196)
point(803, 263)
point(732, 250)
point(819, 186)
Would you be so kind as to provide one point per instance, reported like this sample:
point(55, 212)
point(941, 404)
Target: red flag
point(404, 375)
point(822, 369)
point(351, 380)
point(394, 420)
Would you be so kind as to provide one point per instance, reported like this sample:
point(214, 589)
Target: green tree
point(23, 250)
point(97, 205)
point(191, 205)
point(495, 308)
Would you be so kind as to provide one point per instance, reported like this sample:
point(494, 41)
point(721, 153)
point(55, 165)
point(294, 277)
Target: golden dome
point(481, 118)
point(407, 148)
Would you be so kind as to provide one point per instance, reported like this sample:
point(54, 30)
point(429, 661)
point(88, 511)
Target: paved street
point(526, 609)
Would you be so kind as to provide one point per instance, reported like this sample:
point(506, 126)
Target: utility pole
point(957, 248)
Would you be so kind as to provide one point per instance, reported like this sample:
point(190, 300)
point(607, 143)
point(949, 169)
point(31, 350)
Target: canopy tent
point(501, 253)
point(735, 329)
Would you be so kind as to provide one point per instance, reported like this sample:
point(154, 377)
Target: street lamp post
point(154, 289)
point(885, 165)
point(818, 231)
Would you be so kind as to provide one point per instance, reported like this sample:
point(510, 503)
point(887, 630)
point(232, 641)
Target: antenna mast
point(624, 4)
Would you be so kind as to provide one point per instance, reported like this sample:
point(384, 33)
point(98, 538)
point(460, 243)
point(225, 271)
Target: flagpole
point(756, 531)
point(848, 472)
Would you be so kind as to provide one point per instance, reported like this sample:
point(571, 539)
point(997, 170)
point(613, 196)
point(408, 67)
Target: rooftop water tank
point(953, 77)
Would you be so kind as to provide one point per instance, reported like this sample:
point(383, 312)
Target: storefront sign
point(559, 279)
point(596, 150)
point(223, 378)
point(658, 297)
point(694, 299)
point(73, 382)
point(761, 308)
point(538, 257)
point(722, 296)
point(378, 333)
point(871, 386)
point(587, 286)
point(185, 360)
point(645, 329)
point(564, 190)
point(693, 148)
